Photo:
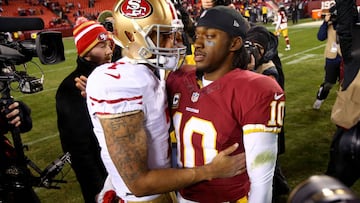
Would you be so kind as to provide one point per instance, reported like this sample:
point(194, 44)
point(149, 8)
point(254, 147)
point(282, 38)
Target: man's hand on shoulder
point(80, 83)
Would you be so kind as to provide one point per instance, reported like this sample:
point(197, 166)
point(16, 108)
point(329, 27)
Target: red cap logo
point(103, 36)
point(136, 8)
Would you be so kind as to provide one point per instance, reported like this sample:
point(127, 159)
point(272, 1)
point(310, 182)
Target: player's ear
point(236, 43)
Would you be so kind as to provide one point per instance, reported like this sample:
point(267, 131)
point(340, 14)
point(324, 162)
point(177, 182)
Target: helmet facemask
point(161, 56)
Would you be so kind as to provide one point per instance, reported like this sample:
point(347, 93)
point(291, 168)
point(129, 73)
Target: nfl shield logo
point(195, 96)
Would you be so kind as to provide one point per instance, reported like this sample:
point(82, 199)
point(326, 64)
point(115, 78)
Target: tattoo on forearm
point(126, 141)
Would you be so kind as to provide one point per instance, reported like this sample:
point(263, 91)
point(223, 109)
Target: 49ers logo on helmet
point(136, 8)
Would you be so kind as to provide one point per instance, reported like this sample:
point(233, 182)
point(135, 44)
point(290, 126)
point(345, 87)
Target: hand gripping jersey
point(207, 120)
point(121, 87)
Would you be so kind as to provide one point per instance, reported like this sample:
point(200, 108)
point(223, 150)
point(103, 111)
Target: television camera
point(331, 11)
point(49, 48)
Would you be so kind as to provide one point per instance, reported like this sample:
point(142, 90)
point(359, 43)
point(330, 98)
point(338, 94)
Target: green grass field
point(308, 132)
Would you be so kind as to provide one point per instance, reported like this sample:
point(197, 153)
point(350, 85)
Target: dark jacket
point(10, 158)
point(76, 132)
point(348, 33)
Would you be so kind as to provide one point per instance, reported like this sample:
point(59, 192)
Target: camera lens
point(50, 48)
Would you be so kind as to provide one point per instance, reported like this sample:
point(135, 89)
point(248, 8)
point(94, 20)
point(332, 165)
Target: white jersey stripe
point(116, 100)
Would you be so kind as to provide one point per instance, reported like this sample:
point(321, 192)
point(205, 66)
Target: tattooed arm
point(127, 144)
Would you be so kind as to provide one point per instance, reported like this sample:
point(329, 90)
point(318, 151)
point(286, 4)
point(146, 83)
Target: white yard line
point(302, 52)
point(41, 139)
point(301, 59)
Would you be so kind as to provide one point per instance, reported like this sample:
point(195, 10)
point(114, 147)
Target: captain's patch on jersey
point(175, 101)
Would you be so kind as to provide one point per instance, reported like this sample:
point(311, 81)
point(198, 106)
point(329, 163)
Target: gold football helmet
point(136, 23)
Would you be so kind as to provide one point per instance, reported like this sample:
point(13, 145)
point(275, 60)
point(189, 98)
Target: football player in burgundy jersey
point(218, 104)
point(128, 106)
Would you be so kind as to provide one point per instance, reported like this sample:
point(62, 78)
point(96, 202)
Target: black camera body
point(251, 48)
point(47, 46)
point(16, 179)
point(254, 51)
point(333, 14)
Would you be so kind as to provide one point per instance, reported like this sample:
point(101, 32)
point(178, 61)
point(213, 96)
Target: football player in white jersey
point(128, 106)
point(281, 26)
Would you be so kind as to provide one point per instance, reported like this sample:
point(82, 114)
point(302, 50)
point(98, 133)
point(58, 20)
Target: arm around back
point(127, 144)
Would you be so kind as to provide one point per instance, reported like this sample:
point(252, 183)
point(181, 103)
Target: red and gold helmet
point(136, 20)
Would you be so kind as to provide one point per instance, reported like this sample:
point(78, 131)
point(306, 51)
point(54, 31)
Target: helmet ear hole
point(130, 36)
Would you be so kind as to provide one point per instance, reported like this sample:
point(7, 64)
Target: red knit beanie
point(88, 34)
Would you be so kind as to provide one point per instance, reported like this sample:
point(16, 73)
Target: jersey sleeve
point(262, 108)
point(261, 153)
point(278, 22)
point(262, 118)
point(113, 89)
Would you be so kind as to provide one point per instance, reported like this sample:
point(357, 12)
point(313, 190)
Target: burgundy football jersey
point(207, 120)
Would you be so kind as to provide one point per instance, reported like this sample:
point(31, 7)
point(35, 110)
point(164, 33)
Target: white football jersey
point(122, 87)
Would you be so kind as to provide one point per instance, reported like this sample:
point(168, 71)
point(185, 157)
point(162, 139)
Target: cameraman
point(15, 117)
point(332, 54)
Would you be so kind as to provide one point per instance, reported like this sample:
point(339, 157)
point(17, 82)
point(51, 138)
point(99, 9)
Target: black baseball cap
point(226, 19)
